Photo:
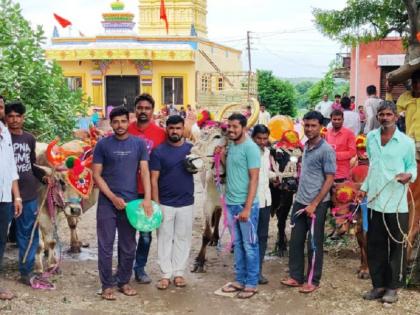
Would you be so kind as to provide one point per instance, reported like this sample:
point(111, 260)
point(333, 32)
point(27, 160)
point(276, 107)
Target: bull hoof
point(54, 270)
point(198, 269)
point(364, 275)
point(85, 245)
point(74, 250)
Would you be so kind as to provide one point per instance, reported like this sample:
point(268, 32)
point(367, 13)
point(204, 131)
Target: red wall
point(369, 71)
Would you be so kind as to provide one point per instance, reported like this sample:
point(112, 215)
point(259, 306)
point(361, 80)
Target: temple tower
point(185, 18)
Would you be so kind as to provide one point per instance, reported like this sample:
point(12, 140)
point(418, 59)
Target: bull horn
point(251, 120)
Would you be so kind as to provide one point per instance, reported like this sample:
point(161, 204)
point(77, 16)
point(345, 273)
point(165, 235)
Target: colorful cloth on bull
point(397, 156)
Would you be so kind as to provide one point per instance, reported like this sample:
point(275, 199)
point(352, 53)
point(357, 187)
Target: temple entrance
point(122, 90)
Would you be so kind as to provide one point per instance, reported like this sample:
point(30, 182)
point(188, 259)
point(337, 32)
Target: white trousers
point(174, 240)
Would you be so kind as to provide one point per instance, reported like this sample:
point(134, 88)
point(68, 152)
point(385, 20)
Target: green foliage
point(363, 21)
point(302, 89)
point(25, 75)
point(277, 95)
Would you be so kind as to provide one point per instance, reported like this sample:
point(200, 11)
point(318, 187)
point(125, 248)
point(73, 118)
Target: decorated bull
point(202, 159)
point(70, 191)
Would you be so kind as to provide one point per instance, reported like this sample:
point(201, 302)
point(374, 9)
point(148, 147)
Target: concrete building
point(181, 67)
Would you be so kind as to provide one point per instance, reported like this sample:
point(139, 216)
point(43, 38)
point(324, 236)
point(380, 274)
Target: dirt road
point(340, 291)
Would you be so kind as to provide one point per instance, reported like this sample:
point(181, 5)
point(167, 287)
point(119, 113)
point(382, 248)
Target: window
point(173, 90)
point(205, 83)
point(74, 83)
point(220, 84)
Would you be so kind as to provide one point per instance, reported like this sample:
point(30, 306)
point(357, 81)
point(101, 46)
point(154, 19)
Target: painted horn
point(251, 120)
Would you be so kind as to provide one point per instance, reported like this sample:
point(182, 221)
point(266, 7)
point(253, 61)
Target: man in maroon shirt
point(146, 129)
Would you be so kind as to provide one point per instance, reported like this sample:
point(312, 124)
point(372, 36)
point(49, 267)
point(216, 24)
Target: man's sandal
point(163, 284)
point(247, 293)
point(108, 294)
point(127, 290)
point(308, 288)
point(180, 282)
point(290, 282)
point(232, 288)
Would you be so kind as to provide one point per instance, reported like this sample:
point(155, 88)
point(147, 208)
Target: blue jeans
point(24, 226)
point(246, 248)
point(142, 252)
point(6, 215)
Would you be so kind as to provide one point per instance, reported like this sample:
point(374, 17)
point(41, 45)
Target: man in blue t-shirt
point(173, 189)
point(243, 165)
point(116, 161)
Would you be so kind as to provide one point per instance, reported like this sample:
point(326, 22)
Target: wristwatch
point(18, 199)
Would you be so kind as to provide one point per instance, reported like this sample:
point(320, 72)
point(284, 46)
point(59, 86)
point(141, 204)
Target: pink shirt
point(344, 144)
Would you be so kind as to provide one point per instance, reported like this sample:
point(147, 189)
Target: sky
point(283, 36)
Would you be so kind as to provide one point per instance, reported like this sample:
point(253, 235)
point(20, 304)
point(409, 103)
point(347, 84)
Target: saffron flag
point(163, 14)
point(62, 21)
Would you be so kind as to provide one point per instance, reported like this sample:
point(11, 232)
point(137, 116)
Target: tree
point(302, 89)
point(368, 20)
point(277, 95)
point(25, 75)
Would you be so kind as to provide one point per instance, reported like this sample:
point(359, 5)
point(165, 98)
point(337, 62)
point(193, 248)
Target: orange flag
point(163, 14)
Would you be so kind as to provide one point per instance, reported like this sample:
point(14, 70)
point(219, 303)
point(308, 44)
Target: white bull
point(201, 158)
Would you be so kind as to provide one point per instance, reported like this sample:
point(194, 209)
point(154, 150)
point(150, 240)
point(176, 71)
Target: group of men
point(143, 161)
point(20, 182)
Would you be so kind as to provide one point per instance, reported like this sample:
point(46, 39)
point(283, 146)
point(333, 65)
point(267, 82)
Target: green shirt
point(385, 162)
point(240, 159)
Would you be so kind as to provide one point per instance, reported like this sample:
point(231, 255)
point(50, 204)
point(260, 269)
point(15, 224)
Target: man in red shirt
point(343, 142)
point(146, 129)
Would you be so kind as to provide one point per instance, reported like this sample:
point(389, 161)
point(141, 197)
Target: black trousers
point(384, 255)
point(300, 231)
point(262, 232)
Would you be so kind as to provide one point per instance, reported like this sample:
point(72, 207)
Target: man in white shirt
point(8, 184)
point(351, 118)
point(325, 108)
point(264, 116)
point(371, 108)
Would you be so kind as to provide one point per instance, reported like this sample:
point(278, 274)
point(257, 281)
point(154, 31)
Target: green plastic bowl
point(139, 220)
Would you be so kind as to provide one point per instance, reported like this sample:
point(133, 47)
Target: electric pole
point(248, 40)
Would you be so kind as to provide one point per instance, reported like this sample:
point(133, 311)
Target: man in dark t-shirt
point(30, 177)
point(173, 188)
point(145, 128)
point(116, 162)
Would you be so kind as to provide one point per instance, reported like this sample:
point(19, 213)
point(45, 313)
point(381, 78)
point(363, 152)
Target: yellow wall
point(160, 69)
point(228, 60)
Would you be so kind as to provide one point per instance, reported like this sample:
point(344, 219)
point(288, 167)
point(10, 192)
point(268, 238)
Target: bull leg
point(201, 258)
point(363, 272)
point(75, 244)
point(217, 214)
point(39, 267)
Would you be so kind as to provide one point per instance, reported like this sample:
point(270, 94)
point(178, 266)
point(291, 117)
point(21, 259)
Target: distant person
point(353, 102)
point(95, 118)
point(264, 116)
point(371, 107)
point(191, 113)
point(343, 141)
point(248, 112)
point(172, 110)
point(325, 108)
point(125, 102)
point(337, 103)
point(182, 112)
point(362, 117)
point(351, 118)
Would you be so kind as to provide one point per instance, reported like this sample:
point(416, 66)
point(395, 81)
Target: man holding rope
point(392, 167)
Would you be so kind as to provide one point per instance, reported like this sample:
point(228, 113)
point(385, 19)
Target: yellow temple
point(178, 67)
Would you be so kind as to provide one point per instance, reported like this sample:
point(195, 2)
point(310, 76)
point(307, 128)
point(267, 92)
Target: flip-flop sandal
point(308, 288)
point(180, 282)
point(290, 282)
point(41, 283)
point(246, 294)
point(127, 290)
point(231, 288)
point(163, 284)
point(108, 294)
